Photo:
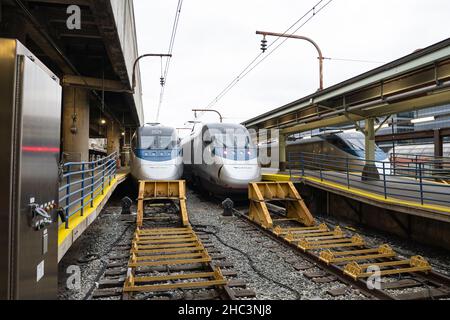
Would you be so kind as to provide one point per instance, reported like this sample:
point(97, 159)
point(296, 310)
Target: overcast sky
point(216, 39)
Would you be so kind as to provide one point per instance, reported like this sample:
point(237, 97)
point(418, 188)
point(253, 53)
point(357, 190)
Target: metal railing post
point(421, 185)
point(110, 171)
point(103, 177)
point(82, 188)
point(384, 180)
point(115, 167)
point(67, 197)
point(92, 184)
point(417, 171)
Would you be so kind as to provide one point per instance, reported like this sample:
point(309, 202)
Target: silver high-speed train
point(156, 154)
point(335, 147)
point(221, 158)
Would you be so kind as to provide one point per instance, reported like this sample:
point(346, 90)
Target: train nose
point(239, 176)
point(160, 172)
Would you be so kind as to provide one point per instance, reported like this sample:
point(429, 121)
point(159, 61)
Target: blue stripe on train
point(157, 155)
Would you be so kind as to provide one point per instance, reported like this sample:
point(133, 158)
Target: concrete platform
point(373, 192)
point(78, 224)
point(363, 204)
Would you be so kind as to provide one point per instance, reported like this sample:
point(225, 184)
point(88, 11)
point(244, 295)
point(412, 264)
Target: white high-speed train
point(330, 150)
point(336, 147)
point(221, 158)
point(156, 154)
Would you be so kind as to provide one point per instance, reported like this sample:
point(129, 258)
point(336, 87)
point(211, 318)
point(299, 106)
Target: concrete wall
point(123, 11)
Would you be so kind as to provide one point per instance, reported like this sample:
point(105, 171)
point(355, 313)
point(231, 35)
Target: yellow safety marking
point(169, 262)
point(165, 234)
point(138, 257)
point(366, 194)
point(263, 192)
point(416, 264)
point(173, 250)
point(314, 236)
point(139, 241)
point(169, 246)
point(77, 219)
point(162, 232)
point(311, 233)
point(282, 231)
point(319, 242)
point(174, 277)
point(162, 190)
point(384, 251)
point(169, 287)
point(216, 276)
point(160, 198)
point(317, 239)
point(164, 237)
point(356, 241)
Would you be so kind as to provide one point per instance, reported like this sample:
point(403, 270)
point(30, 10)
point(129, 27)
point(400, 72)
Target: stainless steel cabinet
point(30, 121)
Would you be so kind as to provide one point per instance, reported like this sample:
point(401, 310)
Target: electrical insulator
point(162, 81)
point(264, 45)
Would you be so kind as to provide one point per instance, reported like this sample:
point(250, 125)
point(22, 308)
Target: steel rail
point(438, 280)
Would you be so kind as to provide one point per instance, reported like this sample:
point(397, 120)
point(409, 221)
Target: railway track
point(341, 256)
point(166, 259)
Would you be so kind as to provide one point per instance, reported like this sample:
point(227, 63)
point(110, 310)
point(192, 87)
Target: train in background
point(336, 146)
point(422, 150)
point(156, 154)
point(221, 159)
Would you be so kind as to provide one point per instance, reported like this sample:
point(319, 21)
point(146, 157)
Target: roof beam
point(423, 69)
point(413, 135)
point(94, 83)
point(427, 101)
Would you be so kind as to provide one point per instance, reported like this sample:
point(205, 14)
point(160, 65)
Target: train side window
point(338, 143)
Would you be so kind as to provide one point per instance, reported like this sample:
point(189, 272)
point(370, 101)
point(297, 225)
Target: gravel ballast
point(266, 266)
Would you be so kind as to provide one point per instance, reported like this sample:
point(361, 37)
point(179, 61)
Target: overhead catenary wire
point(310, 14)
point(165, 73)
point(276, 48)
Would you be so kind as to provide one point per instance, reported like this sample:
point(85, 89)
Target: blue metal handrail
point(417, 182)
point(82, 182)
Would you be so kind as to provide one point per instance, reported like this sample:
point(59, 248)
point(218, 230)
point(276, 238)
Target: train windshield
point(233, 143)
point(232, 139)
point(355, 145)
point(158, 143)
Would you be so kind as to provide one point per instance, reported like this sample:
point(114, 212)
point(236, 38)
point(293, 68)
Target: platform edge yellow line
point(373, 196)
point(77, 219)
